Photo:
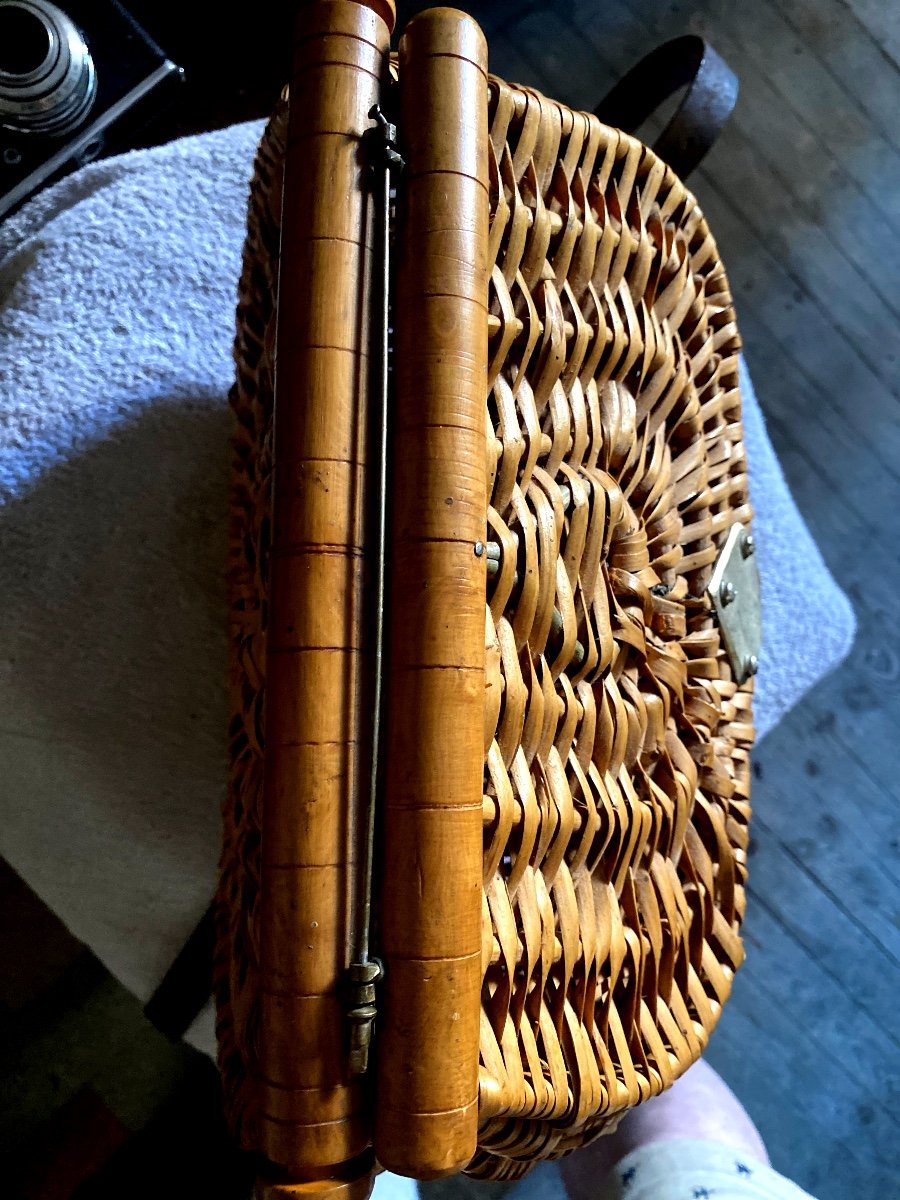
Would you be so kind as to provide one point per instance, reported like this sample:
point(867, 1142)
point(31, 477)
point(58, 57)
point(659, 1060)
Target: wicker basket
point(563, 773)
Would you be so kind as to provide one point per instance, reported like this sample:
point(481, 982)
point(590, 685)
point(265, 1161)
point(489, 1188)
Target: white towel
point(117, 294)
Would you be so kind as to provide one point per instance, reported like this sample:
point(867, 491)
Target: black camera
point(72, 84)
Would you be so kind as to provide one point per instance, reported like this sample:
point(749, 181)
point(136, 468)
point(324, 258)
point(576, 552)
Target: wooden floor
point(803, 193)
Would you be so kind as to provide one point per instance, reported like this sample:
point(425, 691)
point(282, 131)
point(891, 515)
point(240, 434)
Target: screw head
point(479, 549)
point(727, 592)
point(748, 546)
point(752, 666)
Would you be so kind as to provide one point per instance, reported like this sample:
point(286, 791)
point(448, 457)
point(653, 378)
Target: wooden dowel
point(314, 1124)
point(431, 896)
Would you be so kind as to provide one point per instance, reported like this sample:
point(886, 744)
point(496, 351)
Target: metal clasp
point(384, 135)
point(361, 1010)
point(734, 591)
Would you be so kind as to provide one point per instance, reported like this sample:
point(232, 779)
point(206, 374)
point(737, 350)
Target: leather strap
point(712, 89)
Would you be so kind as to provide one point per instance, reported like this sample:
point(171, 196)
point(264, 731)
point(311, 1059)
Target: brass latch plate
point(734, 591)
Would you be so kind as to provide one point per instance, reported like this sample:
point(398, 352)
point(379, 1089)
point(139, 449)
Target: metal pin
point(727, 592)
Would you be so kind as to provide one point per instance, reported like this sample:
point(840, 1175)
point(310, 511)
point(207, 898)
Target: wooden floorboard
point(803, 193)
point(837, 39)
point(879, 21)
point(826, 1009)
point(830, 106)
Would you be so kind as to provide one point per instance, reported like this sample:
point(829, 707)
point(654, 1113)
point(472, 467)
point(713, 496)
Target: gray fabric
point(808, 623)
point(117, 293)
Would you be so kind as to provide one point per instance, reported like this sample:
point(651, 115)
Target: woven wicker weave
point(616, 778)
point(615, 372)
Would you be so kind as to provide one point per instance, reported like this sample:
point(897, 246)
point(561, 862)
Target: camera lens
point(24, 41)
point(47, 77)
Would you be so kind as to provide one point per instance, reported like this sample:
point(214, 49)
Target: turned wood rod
point(427, 1086)
point(314, 1120)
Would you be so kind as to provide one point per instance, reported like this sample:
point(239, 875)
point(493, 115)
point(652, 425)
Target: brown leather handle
point(712, 89)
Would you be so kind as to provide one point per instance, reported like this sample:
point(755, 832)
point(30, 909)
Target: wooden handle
point(431, 895)
point(313, 1121)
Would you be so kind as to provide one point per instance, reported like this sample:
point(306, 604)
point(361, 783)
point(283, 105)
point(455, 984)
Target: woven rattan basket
point(559, 751)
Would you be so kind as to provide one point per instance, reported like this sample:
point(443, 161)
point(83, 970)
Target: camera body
point(73, 82)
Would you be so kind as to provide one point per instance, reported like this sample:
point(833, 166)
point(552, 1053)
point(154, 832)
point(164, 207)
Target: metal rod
point(364, 972)
point(381, 448)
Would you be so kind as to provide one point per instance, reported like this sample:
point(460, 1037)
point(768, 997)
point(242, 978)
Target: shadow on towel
point(114, 683)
